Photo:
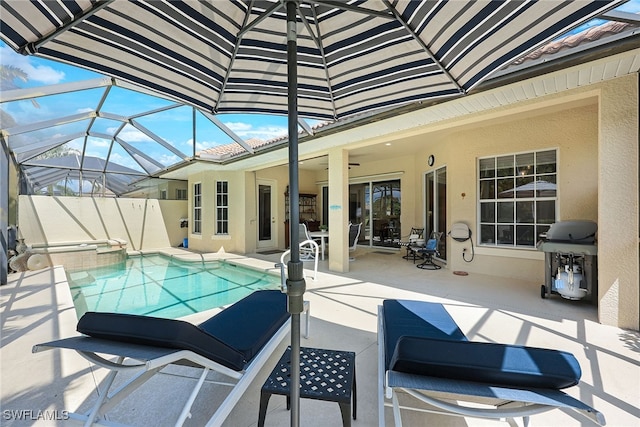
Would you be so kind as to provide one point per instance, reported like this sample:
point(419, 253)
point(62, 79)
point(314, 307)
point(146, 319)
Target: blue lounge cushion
point(422, 338)
point(250, 323)
point(232, 337)
point(418, 319)
point(496, 364)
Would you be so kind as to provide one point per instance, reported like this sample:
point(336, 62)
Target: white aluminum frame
point(146, 361)
point(508, 403)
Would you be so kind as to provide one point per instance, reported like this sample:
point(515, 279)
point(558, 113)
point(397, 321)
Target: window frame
point(517, 198)
point(222, 208)
point(196, 223)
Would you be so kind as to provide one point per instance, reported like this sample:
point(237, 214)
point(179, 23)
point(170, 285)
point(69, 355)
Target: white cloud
point(168, 160)
point(204, 145)
point(238, 127)
point(200, 145)
point(131, 134)
point(39, 73)
point(99, 142)
point(187, 146)
point(264, 132)
point(124, 161)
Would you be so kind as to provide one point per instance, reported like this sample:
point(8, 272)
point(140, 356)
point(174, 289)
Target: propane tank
point(570, 280)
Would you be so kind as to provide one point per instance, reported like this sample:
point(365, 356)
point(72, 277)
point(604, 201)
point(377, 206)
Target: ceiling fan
point(350, 164)
point(323, 162)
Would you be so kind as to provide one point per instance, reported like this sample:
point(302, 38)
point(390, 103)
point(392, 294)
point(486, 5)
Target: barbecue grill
point(571, 267)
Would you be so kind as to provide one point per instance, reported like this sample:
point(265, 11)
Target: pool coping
point(230, 258)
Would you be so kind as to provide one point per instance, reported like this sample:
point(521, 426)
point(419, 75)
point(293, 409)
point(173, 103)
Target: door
point(377, 204)
point(436, 207)
point(266, 214)
point(385, 213)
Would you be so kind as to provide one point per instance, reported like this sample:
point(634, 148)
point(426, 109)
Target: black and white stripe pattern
point(366, 55)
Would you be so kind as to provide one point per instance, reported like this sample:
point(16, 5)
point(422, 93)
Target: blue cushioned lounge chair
point(423, 352)
point(235, 342)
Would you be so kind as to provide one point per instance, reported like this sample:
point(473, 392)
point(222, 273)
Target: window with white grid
point(197, 208)
point(222, 207)
point(517, 198)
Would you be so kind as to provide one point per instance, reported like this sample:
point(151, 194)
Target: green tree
point(9, 74)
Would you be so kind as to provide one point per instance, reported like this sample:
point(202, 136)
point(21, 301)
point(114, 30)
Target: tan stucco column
point(618, 213)
point(338, 210)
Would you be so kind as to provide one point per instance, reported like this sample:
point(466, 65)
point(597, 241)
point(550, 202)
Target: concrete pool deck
point(37, 307)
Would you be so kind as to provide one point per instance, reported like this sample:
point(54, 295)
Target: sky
point(44, 72)
point(174, 126)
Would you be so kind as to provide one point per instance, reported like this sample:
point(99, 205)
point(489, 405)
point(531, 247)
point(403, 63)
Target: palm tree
point(8, 75)
point(59, 151)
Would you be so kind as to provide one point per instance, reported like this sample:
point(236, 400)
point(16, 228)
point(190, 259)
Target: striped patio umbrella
point(231, 56)
point(322, 59)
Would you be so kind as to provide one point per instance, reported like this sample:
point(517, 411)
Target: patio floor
point(37, 307)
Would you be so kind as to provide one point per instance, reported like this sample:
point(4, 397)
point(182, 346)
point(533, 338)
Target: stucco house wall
point(172, 212)
point(573, 132)
point(208, 240)
point(595, 130)
point(143, 223)
point(618, 196)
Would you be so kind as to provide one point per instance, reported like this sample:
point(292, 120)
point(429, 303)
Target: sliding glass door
point(436, 207)
point(377, 204)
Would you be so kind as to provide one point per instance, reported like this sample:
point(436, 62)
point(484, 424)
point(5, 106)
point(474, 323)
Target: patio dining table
point(323, 236)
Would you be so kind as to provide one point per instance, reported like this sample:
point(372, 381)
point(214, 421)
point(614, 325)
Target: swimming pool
point(155, 285)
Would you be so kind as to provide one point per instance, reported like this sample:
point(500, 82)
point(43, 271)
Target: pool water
point(155, 285)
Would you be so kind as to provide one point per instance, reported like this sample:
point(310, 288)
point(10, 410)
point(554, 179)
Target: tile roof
point(590, 35)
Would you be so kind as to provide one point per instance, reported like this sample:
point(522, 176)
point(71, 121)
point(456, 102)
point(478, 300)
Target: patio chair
point(309, 251)
point(429, 251)
point(235, 343)
point(354, 234)
point(415, 235)
point(423, 354)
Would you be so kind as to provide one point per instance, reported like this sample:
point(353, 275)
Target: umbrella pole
point(295, 282)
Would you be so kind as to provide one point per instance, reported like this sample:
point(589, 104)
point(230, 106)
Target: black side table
point(328, 375)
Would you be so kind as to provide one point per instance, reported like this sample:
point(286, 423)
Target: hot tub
point(76, 254)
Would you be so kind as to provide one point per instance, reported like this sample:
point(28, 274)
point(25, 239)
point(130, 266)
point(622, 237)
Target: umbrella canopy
point(230, 56)
point(318, 59)
point(540, 188)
